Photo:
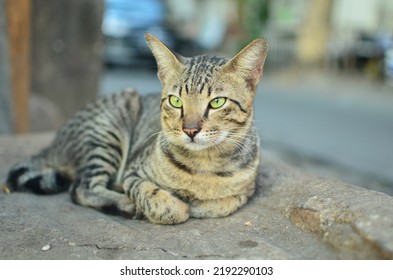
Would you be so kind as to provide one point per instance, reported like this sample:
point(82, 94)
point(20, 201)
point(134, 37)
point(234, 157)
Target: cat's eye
point(218, 102)
point(175, 101)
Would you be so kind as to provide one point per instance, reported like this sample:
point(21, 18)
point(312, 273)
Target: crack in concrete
point(101, 247)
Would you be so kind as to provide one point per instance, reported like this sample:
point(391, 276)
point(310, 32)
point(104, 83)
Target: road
point(327, 124)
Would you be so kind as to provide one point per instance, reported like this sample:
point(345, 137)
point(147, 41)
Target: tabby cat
point(192, 151)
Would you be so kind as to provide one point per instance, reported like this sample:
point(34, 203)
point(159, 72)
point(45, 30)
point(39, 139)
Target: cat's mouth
point(195, 143)
point(201, 141)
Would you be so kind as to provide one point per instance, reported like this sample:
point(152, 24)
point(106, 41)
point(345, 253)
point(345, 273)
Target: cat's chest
point(203, 179)
point(205, 186)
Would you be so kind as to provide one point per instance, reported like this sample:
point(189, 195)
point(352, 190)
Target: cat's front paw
point(163, 208)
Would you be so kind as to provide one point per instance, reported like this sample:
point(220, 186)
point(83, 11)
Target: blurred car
point(124, 24)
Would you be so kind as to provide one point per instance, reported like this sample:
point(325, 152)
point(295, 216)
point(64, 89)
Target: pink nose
point(191, 132)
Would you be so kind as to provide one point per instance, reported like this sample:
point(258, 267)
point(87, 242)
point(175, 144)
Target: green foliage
point(254, 16)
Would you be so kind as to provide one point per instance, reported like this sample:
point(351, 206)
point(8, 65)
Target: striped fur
point(140, 156)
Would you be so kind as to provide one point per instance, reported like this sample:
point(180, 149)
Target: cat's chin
point(193, 146)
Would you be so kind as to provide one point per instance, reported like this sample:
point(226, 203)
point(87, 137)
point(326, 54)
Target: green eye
point(218, 102)
point(175, 101)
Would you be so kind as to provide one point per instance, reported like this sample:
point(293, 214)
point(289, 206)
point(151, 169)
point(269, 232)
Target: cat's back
point(147, 128)
point(110, 121)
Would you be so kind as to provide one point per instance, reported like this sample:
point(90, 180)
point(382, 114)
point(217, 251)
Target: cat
point(191, 151)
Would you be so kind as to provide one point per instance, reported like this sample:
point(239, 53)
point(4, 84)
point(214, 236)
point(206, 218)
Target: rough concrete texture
point(292, 216)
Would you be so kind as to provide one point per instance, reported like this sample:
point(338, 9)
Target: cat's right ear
point(249, 62)
point(168, 62)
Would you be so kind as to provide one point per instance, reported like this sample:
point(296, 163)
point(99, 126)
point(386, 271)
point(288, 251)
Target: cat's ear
point(249, 62)
point(167, 61)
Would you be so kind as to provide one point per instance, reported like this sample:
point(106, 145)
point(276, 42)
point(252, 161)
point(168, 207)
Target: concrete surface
point(292, 216)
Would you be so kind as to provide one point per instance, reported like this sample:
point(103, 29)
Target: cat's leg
point(38, 175)
point(215, 208)
point(91, 189)
point(156, 204)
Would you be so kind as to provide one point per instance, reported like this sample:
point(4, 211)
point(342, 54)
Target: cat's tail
point(38, 176)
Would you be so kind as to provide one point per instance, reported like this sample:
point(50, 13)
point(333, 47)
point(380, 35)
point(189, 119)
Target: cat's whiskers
point(243, 137)
point(152, 135)
point(222, 145)
point(167, 138)
point(239, 145)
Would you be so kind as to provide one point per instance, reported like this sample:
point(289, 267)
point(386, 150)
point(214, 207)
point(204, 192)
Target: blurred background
point(325, 103)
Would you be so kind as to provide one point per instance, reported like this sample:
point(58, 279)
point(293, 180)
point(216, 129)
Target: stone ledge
point(291, 216)
point(356, 222)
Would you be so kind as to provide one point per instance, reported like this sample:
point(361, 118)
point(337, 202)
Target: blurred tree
point(254, 15)
point(314, 33)
point(17, 60)
point(6, 124)
point(67, 46)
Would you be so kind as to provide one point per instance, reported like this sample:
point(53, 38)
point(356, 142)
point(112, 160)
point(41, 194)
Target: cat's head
point(207, 101)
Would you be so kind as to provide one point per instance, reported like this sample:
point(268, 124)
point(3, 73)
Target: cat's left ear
point(249, 62)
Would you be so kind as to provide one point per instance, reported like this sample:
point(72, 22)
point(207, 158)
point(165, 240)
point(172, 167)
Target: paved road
point(330, 125)
point(350, 131)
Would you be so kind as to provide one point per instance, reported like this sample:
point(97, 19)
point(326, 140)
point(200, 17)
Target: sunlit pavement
point(328, 124)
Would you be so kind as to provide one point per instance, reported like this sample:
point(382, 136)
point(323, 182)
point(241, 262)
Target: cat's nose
point(191, 131)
